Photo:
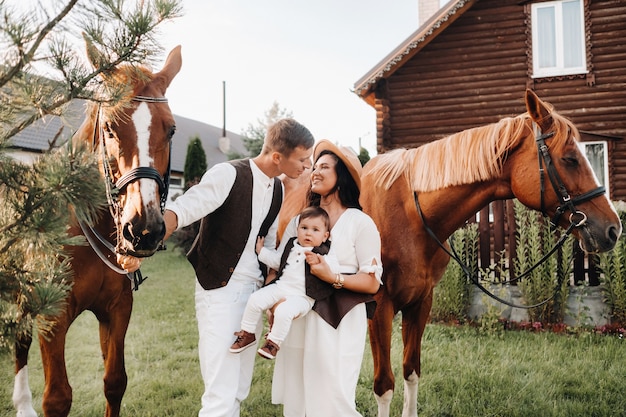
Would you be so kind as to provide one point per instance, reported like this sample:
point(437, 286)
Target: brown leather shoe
point(243, 342)
point(269, 350)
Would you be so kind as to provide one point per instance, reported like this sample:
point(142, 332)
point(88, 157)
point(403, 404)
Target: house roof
point(413, 44)
point(36, 138)
point(209, 135)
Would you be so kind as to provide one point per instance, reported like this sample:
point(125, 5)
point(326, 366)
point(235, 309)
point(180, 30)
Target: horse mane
point(125, 82)
point(470, 156)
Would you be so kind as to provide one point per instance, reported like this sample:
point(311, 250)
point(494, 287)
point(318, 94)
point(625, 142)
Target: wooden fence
point(496, 227)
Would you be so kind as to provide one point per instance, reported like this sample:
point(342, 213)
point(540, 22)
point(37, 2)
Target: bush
point(451, 298)
point(550, 279)
point(613, 278)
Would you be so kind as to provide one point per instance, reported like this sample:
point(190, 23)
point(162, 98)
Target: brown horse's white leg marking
point(22, 397)
point(384, 403)
point(409, 408)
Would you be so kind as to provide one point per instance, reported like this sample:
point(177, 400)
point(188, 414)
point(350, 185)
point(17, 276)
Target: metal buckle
point(582, 221)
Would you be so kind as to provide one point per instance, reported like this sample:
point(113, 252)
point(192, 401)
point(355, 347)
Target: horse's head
point(133, 140)
point(553, 175)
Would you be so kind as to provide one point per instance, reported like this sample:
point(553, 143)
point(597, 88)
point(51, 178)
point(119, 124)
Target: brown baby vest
point(331, 304)
point(315, 287)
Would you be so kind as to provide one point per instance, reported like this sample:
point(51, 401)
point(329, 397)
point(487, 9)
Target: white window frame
point(605, 161)
point(559, 69)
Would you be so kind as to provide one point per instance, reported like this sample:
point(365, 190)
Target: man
point(234, 199)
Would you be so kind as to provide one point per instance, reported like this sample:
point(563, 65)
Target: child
point(289, 285)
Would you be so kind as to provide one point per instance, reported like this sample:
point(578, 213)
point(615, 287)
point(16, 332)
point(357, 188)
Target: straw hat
point(347, 155)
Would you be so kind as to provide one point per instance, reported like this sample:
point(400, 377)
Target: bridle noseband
point(113, 190)
point(577, 218)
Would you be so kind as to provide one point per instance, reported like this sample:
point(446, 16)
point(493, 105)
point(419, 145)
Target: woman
point(317, 371)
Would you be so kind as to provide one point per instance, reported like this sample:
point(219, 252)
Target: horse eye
point(113, 164)
point(570, 161)
point(170, 134)
point(109, 130)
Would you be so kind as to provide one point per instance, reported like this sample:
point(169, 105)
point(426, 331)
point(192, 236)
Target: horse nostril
point(127, 231)
point(613, 233)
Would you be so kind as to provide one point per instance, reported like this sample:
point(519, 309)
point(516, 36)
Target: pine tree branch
point(26, 58)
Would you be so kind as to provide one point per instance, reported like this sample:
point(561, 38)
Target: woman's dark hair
point(346, 188)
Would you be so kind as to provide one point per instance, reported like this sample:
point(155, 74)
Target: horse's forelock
point(133, 79)
point(564, 131)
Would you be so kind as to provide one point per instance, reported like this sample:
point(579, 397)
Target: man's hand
point(129, 263)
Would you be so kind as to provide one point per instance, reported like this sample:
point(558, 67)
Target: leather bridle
point(566, 203)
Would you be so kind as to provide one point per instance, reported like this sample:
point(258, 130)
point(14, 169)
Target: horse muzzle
point(598, 238)
point(141, 240)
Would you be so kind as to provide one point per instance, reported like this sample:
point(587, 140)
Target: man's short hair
point(286, 135)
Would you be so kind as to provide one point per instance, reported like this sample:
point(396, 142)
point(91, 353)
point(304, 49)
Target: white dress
point(317, 367)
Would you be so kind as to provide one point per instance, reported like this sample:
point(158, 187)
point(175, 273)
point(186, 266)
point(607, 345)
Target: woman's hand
point(319, 267)
point(128, 263)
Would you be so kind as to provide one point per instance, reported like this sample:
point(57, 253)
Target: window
point(597, 153)
point(176, 182)
point(558, 38)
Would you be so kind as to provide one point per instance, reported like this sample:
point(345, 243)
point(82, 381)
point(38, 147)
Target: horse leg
point(57, 395)
point(22, 396)
point(414, 321)
point(380, 328)
point(112, 333)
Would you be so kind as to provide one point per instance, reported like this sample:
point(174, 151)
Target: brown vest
point(223, 233)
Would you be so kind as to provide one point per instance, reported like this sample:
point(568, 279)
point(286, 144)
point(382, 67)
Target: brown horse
point(452, 179)
point(133, 144)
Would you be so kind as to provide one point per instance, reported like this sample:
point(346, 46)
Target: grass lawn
point(464, 372)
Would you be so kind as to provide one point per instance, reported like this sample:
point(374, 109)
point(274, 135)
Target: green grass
point(464, 372)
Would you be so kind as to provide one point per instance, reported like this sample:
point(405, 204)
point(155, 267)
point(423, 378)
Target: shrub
point(613, 278)
point(451, 298)
point(550, 279)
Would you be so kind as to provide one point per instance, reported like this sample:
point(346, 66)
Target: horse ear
point(538, 110)
point(95, 57)
point(172, 66)
point(99, 60)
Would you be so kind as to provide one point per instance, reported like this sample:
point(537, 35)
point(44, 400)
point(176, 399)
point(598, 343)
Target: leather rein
point(113, 190)
point(577, 218)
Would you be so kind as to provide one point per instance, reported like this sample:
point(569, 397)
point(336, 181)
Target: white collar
point(259, 175)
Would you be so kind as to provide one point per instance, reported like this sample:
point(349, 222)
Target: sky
point(305, 55)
